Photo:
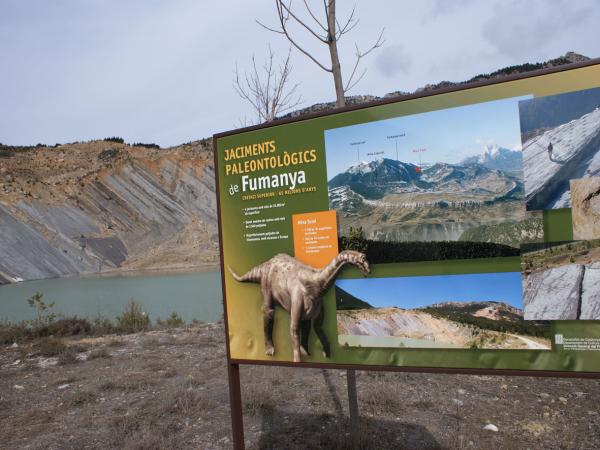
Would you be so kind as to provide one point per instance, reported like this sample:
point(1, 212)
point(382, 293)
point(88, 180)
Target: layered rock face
point(570, 292)
point(574, 154)
point(98, 206)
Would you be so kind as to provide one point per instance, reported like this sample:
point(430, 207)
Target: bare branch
point(266, 87)
point(298, 20)
point(314, 17)
point(350, 86)
point(380, 41)
point(269, 28)
point(348, 25)
point(360, 55)
point(326, 29)
point(283, 13)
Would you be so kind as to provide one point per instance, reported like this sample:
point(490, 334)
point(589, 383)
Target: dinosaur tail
point(254, 275)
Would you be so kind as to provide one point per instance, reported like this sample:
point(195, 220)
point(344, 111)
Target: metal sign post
point(353, 404)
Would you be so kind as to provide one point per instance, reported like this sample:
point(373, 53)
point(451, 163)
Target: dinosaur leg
point(268, 318)
point(318, 326)
point(304, 333)
point(295, 315)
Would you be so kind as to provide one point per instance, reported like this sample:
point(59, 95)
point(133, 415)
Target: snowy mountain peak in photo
point(379, 170)
point(378, 178)
point(498, 158)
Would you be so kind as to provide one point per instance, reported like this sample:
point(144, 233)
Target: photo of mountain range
point(470, 189)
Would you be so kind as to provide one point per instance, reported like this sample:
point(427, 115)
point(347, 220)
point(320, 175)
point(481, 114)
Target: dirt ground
point(168, 389)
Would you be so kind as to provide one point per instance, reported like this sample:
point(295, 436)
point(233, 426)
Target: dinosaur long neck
point(330, 271)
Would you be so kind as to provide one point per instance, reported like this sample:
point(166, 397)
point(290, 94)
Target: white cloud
point(520, 28)
point(393, 60)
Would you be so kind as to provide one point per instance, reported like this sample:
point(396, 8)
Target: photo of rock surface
point(450, 311)
point(561, 281)
point(585, 208)
point(561, 138)
point(446, 182)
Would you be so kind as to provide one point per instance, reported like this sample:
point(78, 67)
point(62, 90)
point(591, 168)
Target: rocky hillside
point(498, 158)
point(103, 205)
point(452, 325)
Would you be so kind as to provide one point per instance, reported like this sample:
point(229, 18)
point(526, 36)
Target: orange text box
point(315, 237)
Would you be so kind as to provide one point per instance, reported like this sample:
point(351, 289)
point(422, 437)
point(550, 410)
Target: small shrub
point(102, 325)
point(356, 240)
point(50, 346)
point(10, 333)
point(69, 326)
point(44, 314)
point(133, 319)
point(175, 320)
point(141, 144)
point(115, 139)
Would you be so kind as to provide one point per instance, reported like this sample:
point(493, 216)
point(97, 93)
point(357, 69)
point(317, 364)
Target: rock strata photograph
point(561, 281)
point(561, 139)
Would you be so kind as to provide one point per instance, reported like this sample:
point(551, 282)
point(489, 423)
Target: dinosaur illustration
point(299, 289)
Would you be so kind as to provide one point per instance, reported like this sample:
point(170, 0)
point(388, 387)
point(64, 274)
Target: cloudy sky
point(161, 71)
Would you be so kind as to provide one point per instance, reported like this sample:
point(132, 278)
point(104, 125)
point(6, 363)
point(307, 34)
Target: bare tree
point(267, 89)
point(328, 32)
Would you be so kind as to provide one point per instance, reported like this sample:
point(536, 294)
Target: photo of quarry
point(561, 141)
point(437, 190)
point(561, 280)
point(585, 208)
point(476, 311)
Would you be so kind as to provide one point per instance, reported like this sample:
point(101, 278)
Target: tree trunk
point(335, 60)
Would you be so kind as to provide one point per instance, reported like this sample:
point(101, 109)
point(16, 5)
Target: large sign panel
point(459, 230)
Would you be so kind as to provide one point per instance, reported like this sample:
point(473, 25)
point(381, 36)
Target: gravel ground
point(168, 389)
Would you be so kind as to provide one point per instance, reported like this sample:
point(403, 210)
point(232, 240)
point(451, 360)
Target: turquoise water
point(390, 342)
point(194, 295)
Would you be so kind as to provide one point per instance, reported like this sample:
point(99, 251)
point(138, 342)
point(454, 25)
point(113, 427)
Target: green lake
point(194, 295)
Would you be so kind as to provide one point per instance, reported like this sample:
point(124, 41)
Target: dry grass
point(49, 347)
point(152, 400)
point(115, 342)
point(131, 382)
point(68, 357)
point(100, 353)
point(80, 398)
point(157, 423)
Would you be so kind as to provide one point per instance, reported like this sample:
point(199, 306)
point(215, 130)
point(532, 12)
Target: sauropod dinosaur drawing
point(299, 289)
